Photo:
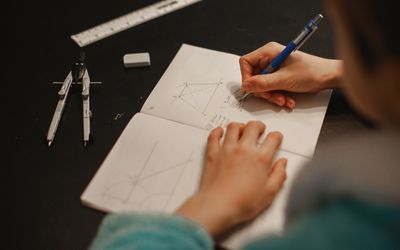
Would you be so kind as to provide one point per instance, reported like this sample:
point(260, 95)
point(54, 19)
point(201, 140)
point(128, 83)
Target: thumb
point(264, 83)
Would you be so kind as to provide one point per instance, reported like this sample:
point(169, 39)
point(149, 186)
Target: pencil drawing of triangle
point(197, 95)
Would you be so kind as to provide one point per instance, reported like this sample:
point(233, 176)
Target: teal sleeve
point(345, 224)
point(150, 231)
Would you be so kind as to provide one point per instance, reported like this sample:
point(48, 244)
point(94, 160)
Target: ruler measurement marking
point(129, 20)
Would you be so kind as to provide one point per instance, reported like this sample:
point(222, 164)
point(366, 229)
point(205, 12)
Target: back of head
point(369, 43)
point(373, 24)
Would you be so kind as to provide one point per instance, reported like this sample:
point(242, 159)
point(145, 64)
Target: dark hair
point(373, 25)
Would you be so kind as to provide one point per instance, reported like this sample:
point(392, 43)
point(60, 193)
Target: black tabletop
point(45, 183)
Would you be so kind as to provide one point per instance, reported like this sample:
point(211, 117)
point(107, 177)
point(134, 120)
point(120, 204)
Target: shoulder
point(365, 167)
point(341, 224)
point(347, 198)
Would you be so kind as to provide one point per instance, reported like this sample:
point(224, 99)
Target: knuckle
point(227, 148)
point(245, 85)
point(241, 149)
point(264, 159)
point(273, 45)
point(214, 134)
point(256, 124)
point(230, 126)
point(211, 136)
point(262, 82)
point(252, 123)
point(210, 157)
point(233, 125)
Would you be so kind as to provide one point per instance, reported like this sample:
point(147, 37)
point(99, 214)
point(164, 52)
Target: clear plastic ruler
point(129, 20)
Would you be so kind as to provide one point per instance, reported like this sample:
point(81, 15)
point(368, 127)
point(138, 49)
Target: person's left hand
point(240, 178)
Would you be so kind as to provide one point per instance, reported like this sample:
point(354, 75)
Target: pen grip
point(276, 63)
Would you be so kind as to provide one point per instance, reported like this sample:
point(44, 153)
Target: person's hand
point(300, 73)
point(240, 177)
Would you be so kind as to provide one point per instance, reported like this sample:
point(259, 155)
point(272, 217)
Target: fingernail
point(291, 104)
point(278, 135)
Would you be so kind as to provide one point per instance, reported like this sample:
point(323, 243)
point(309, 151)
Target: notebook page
point(156, 165)
point(201, 88)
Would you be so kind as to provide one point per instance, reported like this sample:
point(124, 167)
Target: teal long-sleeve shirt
point(342, 224)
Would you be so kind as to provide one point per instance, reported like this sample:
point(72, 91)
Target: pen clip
point(305, 39)
point(307, 31)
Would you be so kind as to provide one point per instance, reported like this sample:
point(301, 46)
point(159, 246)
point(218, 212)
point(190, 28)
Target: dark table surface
point(44, 184)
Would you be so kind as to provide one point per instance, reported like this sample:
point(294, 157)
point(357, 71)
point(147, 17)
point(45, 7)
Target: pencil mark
point(236, 100)
point(152, 187)
point(189, 160)
point(198, 95)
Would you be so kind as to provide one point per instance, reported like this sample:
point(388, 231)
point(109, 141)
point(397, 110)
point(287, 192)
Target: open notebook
point(156, 163)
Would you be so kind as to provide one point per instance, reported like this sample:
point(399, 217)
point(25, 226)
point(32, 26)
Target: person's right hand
point(300, 73)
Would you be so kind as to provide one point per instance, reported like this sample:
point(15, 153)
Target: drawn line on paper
point(197, 95)
point(180, 176)
point(134, 190)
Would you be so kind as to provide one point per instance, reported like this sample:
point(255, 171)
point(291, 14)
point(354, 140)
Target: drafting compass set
point(78, 74)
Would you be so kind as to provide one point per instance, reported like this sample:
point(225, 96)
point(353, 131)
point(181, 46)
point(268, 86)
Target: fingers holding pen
point(253, 62)
point(277, 98)
point(270, 87)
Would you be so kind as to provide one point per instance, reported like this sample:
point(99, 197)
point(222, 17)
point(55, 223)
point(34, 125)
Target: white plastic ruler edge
point(129, 20)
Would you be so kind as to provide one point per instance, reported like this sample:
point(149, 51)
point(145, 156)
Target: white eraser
point(136, 60)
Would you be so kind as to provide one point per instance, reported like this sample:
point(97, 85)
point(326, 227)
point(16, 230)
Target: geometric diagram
point(151, 188)
point(197, 95)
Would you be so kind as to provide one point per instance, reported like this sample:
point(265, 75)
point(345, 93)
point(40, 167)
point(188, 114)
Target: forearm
point(206, 211)
point(150, 231)
point(332, 77)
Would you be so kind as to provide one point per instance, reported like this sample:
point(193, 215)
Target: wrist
point(208, 213)
point(331, 79)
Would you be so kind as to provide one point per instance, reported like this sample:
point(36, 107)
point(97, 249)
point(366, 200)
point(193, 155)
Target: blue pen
point(294, 45)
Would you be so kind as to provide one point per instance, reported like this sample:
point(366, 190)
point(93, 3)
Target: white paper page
point(201, 88)
point(155, 166)
point(144, 169)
